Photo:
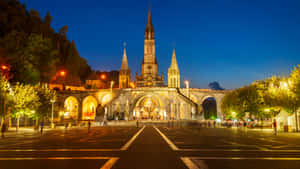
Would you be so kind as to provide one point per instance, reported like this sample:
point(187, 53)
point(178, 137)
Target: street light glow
point(103, 76)
point(4, 67)
point(62, 73)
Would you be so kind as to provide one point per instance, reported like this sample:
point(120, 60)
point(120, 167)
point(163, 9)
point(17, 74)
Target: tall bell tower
point(149, 74)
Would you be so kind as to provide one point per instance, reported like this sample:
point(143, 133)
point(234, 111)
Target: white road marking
point(110, 163)
point(188, 162)
point(126, 146)
point(173, 146)
point(245, 158)
point(238, 150)
point(20, 150)
point(56, 158)
point(107, 165)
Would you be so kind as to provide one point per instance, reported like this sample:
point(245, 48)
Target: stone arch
point(209, 105)
point(89, 106)
point(71, 108)
point(149, 106)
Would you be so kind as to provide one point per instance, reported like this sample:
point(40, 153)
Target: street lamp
point(103, 76)
point(187, 84)
point(63, 74)
point(284, 85)
point(52, 124)
point(111, 84)
point(4, 67)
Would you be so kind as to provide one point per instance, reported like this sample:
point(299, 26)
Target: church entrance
point(148, 107)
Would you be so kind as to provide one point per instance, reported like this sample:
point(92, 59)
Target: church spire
point(124, 74)
point(149, 31)
point(124, 65)
point(174, 60)
point(173, 73)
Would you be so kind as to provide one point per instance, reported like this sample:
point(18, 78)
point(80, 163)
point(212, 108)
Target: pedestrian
point(137, 123)
point(42, 127)
point(245, 124)
point(275, 127)
point(3, 129)
point(215, 124)
point(89, 125)
point(66, 126)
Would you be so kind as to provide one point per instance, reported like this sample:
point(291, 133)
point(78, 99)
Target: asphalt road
point(150, 147)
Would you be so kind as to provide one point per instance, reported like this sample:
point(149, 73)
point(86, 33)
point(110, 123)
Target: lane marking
point(173, 146)
point(245, 158)
point(56, 158)
point(238, 150)
point(16, 150)
point(126, 146)
point(188, 163)
point(110, 163)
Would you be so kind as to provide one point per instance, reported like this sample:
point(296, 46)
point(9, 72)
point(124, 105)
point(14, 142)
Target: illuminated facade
point(150, 99)
point(149, 74)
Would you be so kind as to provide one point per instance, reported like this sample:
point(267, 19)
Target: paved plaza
point(153, 146)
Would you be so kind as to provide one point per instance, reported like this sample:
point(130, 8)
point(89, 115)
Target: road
point(150, 147)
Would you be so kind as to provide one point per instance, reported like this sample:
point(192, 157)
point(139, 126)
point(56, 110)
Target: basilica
point(150, 98)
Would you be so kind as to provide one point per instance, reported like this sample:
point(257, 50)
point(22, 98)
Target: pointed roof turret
point(174, 61)
point(124, 65)
point(149, 31)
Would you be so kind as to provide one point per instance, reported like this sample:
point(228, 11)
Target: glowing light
point(218, 120)
point(62, 73)
point(4, 67)
point(267, 110)
point(103, 76)
point(66, 114)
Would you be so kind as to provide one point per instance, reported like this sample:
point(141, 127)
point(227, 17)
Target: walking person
point(3, 129)
point(42, 127)
point(275, 127)
point(89, 125)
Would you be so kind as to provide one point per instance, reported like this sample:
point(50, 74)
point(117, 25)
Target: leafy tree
point(45, 95)
point(4, 91)
point(33, 48)
point(24, 102)
point(215, 86)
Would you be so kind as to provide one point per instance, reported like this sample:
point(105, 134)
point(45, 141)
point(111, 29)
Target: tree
point(45, 95)
point(215, 86)
point(230, 104)
point(24, 102)
point(4, 91)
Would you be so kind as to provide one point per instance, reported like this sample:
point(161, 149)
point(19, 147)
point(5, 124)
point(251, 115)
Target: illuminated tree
point(45, 96)
point(24, 101)
point(4, 90)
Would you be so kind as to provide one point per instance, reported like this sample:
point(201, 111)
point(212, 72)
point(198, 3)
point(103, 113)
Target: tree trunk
point(2, 120)
point(37, 122)
point(18, 123)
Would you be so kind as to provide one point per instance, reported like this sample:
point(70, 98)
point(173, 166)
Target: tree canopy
point(33, 49)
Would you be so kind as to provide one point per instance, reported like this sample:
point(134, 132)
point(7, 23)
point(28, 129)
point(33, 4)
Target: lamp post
point(286, 86)
point(111, 85)
point(52, 124)
point(187, 84)
point(63, 74)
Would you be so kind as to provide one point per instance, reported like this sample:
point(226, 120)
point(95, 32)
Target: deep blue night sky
point(233, 42)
